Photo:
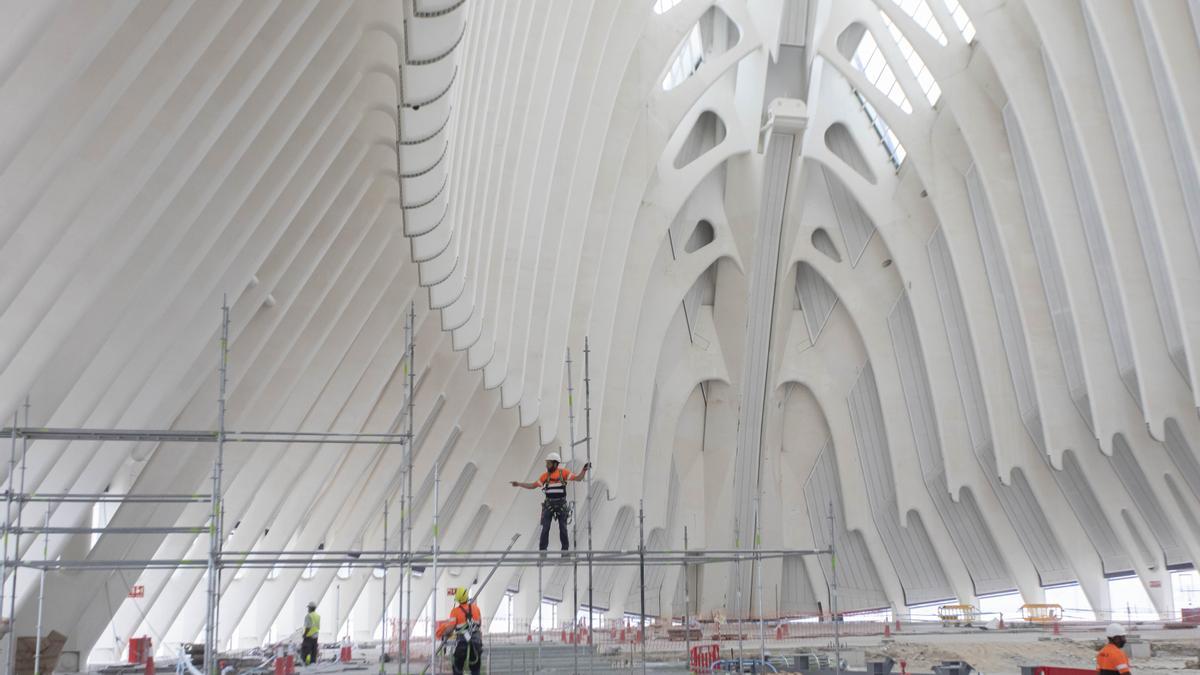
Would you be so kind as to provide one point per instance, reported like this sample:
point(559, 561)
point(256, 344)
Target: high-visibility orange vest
point(1110, 660)
point(464, 621)
point(554, 483)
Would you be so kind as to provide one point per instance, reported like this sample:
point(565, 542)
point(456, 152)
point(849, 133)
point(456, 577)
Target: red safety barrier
point(289, 665)
point(704, 656)
point(139, 649)
point(149, 665)
point(1056, 670)
point(1190, 615)
point(564, 635)
point(344, 654)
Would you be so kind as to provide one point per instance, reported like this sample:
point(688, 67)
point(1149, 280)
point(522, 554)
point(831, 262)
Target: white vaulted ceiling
point(950, 297)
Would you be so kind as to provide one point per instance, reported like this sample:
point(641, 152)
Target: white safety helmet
point(554, 457)
point(1114, 630)
point(312, 605)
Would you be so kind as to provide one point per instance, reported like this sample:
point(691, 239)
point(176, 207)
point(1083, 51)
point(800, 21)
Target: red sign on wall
point(138, 591)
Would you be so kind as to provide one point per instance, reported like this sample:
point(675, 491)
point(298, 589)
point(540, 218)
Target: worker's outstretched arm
point(527, 486)
point(583, 473)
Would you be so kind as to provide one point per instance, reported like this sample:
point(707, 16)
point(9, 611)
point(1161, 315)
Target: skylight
point(661, 6)
point(961, 19)
point(891, 144)
point(687, 61)
point(919, 11)
point(925, 78)
point(868, 59)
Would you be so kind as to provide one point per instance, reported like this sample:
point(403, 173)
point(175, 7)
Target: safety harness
point(555, 490)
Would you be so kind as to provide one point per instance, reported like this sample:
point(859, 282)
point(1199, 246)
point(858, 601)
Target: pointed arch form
point(841, 143)
point(702, 235)
point(707, 133)
point(824, 243)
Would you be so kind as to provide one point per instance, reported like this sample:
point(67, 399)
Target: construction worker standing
point(465, 628)
point(312, 628)
point(1111, 659)
point(554, 484)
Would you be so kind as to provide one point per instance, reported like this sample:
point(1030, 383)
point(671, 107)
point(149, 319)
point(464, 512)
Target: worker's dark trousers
point(550, 511)
point(308, 650)
point(468, 655)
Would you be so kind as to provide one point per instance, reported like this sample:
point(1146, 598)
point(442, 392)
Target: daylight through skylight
point(689, 58)
point(925, 78)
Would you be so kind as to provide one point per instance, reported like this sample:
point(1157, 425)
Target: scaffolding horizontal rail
point(104, 497)
point(185, 436)
point(107, 530)
point(234, 559)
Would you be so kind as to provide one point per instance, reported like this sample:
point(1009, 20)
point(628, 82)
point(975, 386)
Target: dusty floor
point(1003, 652)
point(1171, 651)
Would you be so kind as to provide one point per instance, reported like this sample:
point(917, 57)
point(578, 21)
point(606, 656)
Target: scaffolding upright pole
point(687, 601)
point(383, 594)
point(8, 502)
point(758, 574)
point(215, 529)
point(537, 660)
point(37, 638)
point(587, 439)
point(833, 593)
point(574, 522)
point(11, 660)
point(642, 577)
point(408, 511)
point(433, 599)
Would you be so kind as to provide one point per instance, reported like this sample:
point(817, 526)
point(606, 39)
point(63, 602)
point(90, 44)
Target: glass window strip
point(687, 61)
point(961, 19)
point(891, 144)
point(928, 83)
point(663, 6)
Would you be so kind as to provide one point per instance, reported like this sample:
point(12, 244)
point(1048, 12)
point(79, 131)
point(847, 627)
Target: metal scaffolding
point(405, 558)
point(213, 563)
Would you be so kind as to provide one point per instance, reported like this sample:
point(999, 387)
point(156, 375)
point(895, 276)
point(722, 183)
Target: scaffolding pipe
point(642, 577)
point(407, 577)
point(758, 574)
point(537, 661)
point(833, 593)
point(215, 525)
point(456, 559)
point(433, 600)
point(574, 523)
point(687, 601)
point(37, 638)
point(177, 436)
point(11, 657)
point(587, 435)
point(8, 501)
point(384, 595)
point(106, 498)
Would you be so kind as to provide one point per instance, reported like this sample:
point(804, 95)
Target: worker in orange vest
point(1111, 659)
point(554, 485)
point(465, 628)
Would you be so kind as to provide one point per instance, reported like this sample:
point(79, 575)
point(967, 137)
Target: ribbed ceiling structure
point(929, 266)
